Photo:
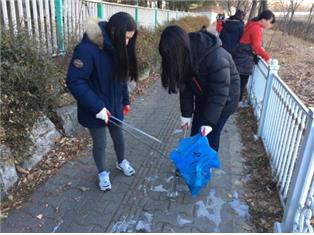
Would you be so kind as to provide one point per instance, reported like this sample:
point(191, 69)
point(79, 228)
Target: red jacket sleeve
point(219, 26)
point(256, 42)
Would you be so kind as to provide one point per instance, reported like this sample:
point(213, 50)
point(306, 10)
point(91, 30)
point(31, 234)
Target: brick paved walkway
point(71, 202)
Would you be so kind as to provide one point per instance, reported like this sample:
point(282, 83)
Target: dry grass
point(261, 191)
point(296, 60)
point(192, 24)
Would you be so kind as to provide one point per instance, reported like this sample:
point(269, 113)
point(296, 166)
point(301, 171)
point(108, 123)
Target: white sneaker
point(104, 181)
point(126, 168)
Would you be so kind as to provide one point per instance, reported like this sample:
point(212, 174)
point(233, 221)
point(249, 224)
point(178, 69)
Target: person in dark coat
point(232, 31)
point(97, 77)
point(205, 74)
point(251, 46)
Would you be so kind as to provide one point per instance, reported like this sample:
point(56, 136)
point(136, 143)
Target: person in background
point(97, 77)
point(251, 46)
point(232, 31)
point(205, 74)
point(220, 19)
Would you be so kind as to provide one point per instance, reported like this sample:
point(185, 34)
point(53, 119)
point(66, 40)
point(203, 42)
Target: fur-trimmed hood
point(96, 32)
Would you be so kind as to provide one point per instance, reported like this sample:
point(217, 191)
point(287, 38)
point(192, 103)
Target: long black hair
point(125, 57)
point(267, 15)
point(175, 51)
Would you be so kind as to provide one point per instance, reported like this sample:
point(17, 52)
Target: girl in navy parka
point(97, 77)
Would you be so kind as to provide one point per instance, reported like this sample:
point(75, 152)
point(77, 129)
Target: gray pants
point(99, 144)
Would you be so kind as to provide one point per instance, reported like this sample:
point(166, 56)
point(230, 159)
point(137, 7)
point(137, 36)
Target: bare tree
point(309, 21)
point(263, 6)
point(288, 18)
point(142, 3)
point(228, 4)
point(244, 5)
point(237, 4)
point(159, 4)
point(253, 9)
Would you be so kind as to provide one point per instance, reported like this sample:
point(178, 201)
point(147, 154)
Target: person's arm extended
point(256, 39)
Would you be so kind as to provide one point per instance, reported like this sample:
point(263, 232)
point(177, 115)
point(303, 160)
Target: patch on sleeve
point(78, 63)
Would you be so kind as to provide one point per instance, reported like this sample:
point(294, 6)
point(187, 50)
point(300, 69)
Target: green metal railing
point(59, 24)
point(67, 22)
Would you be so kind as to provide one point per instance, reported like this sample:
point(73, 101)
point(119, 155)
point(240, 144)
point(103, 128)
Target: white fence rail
point(55, 23)
point(286, 127)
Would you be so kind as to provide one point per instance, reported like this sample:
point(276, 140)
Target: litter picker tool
point(139, 131)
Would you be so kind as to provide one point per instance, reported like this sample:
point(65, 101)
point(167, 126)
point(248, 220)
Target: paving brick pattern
point(71, 201)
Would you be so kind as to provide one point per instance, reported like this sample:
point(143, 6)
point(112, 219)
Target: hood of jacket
point(96, 32)
point(202, 44)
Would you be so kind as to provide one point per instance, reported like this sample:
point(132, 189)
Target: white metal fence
point(55, 23)
point(286, 127)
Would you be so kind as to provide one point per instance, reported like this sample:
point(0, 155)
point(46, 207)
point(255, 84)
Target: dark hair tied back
point(267, 15)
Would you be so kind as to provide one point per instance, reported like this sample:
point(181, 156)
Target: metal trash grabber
point(174, 193)
point(141, 132)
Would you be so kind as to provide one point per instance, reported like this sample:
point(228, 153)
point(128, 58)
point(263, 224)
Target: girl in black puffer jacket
point(205, 74)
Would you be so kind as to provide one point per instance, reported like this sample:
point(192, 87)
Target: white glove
point(104, 114)
point(186, 122)
point(269, 61)
point(205, 130)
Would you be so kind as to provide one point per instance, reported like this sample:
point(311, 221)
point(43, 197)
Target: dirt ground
point(296, 60)
point(261, 191)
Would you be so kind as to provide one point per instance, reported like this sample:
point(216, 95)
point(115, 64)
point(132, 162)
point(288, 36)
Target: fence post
point(100, 12)
point(273, 70)
point(156, 20)
point(301, 180)
point(136, 12)
point(60, 30)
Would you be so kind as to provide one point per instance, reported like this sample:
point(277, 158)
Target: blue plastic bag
point(193, 158)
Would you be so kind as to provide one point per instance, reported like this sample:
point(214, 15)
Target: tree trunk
point(293, 7)
point(159, 4)
point(229, 7)
point(239, 4)
point(262, 6)
point(170, 5)
point(142, 3)
point(309, 21)
point(253, 9)
point(290, 21)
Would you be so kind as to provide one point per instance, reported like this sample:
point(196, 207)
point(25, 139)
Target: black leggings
point(244, 79)
point(99, 144)
point(214, 136)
